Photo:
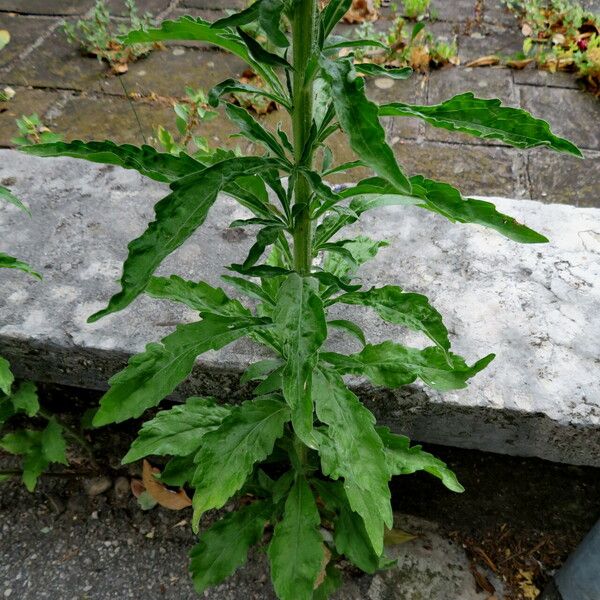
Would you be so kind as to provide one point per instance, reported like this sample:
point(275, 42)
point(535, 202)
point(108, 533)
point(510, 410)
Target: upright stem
point(304, 40)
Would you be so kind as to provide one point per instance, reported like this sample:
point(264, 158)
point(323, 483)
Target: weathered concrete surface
point(535, 306)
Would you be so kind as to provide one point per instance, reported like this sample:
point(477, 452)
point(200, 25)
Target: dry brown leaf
point(120, 68)
point(137, 487)
point(529, 590)
point(526, 30)
point(482, 581)
point(324, 563)
point(361, 11)
point(419, 58)
point(518, 64)
point(394, 537)
point(484, 61)
point(163, 495)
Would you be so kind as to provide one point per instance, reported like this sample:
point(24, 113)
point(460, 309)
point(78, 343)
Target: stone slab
point(47, 7)
point(535, 306)
point(24, 31)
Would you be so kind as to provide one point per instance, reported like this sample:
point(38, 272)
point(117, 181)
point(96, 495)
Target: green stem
point(304, 40)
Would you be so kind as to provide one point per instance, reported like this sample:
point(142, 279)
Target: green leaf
point(374, 70)
point(332, 582)
point(198, 296)
point(6, 377)
point(228, 454)
point(53, 443)
point(178, 471)
point(486, 119)
point(446, 200)
point(178, 431)
point(349, 327)
point(259, 370)
point(296, 551)
point(393, 366)
point(402, 459)
point(402, 308)
point(249, 288)
point(153, 374)
point(189, 28)
point(269, 17)
point(361, 250)
point(10, 262)
point(359, 118)
point(332, 14)
point(253, 130)
point(230, 86)
point(357, 450)
point(336, 42)
point(260, 55)
point(178, 215)
point(6, 195)
point(7, 410)
point(146, 160)
point(25, 399)
point(236, 19)
point(264, 238)
point(224, 546)
point(300, 325)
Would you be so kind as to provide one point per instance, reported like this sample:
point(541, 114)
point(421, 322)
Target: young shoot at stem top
point(304, 455)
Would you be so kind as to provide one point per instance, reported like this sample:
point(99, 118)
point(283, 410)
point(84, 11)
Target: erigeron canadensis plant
point(304, 461)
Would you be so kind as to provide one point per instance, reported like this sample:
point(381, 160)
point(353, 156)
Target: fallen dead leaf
point(137, 487)
point(162, 494)
point(119, 68)
point(484, 61)
point(519, 64)
point(394, 537)
point(530, 591)
point(361, 11)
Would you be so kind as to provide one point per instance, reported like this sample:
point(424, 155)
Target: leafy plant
point(33, 131)
point(415, 9)
point(561, 35)
point(305, 455)
point(98, 35)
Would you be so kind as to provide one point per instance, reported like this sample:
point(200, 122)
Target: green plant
point(33, 131)
point(98, 35)
point(305, 455)
point(415, 9)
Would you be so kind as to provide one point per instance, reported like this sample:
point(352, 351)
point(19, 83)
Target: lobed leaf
point(359, 118)
point(153, 374)
point(401, 308)
point(402, 459)
point(486, 119)
point(228, 454)
point(178, 215)
point(353, 450)
point(299, 321)
point(224, 546)
point(392, 365)
point(178, 431)
point(25, 399)
point(296, 550)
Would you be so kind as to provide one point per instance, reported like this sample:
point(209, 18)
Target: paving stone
point(25, 102)
point(571, 113)
point(24, 31)
point(497, 13)
point(169, 71)
point(57, 64)
point(535, 306)
point(499, 41)
point(214, 4)
point(484, 82)
point(111, 117)
point(47, 7)
point(457, 10)
point(487, 170)
point(154, 7)
point(531, 75)
point(565, 179)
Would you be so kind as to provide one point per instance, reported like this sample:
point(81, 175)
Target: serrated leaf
point(228, 454)
point(6, 377)
point(10, 262)
point(300, 324)
point(230, 86)
point(361, 250)
point(153, 374)
point(402, 308)
point(358, 450)
point(260, 55)
point(296, 550)
point(179, 471)
point(393, 365)
point(260, 369)
point(486, 119)
point(253, 130)
point(224, 546)
point(359, 118)
point(402, 459)
point(178, 431)
point(198, 296)
point(177, 216)
point(25, 399)
point(159, 166)
point(249, 288)
point(447, 201)
point(189, 28)
point(53, 443)
point(8, 196)
point(374, 70)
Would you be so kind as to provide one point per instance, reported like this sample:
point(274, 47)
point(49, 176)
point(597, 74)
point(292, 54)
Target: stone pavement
point(76, 96)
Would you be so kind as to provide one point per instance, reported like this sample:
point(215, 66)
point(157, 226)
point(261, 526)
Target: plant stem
point(304, 40)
